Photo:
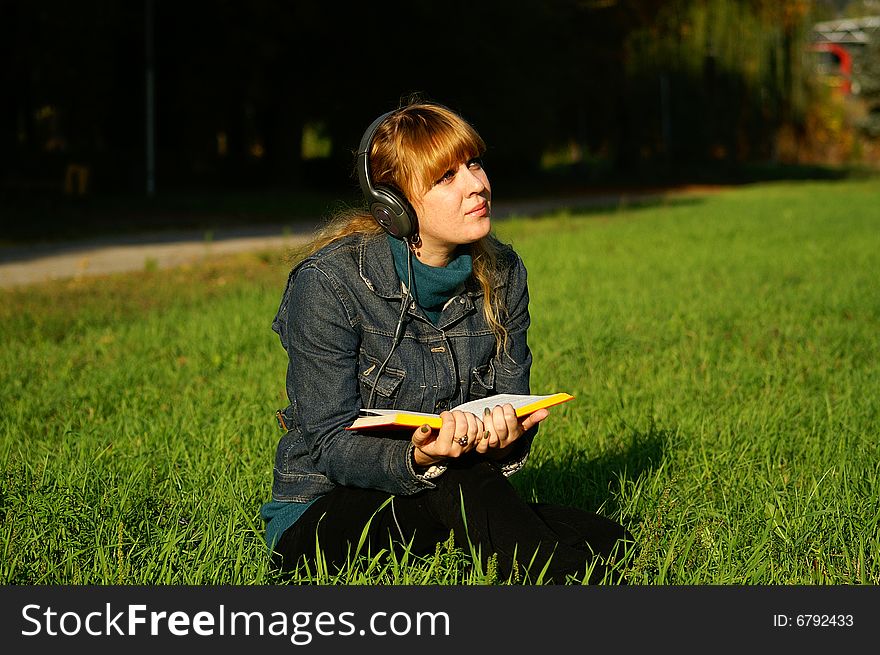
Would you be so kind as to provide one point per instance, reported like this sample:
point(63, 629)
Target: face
point(456, 209)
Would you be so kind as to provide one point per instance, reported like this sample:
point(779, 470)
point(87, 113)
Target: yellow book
point(397, 418)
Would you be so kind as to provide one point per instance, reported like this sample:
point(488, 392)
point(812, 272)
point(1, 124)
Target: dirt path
point(40, 263)
point(24, 265)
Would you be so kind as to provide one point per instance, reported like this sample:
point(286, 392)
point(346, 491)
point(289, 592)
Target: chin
point(480, 230)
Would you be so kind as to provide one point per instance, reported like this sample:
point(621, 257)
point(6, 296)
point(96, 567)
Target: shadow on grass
point(53, 217)
point(590, 483)
point(571, 478)
point(50, 215)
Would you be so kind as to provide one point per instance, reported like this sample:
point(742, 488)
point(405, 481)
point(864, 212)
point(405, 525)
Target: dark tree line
point(612, 85)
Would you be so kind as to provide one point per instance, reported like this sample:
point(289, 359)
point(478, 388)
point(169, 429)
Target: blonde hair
point(411, 148)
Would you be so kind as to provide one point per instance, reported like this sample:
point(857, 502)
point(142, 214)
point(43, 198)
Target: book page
point(389, 412)
point(474, 406)
point(517, 400)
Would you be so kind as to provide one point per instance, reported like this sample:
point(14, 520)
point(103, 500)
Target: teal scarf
point(433, 286)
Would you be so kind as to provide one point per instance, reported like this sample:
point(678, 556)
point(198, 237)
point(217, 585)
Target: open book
point(397, 418)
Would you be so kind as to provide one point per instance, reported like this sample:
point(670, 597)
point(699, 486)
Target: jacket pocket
point(482, 381)
point(386, 385)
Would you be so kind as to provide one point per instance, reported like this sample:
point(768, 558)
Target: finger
point(448, 426)
point(474, 431)
point(510, 419)
point(481, 444)
point(485, 433)
point(489, 436)
point(460, 436)
point(533, 419)
point(422, 435)
point(493, 437)
point(442, 442)
point(486, 441)
point(499, 420)
point(481, 435)
point(471, 423)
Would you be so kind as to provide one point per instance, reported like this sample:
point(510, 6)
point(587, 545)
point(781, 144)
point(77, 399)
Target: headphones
point(394, 213)
point(388, 206)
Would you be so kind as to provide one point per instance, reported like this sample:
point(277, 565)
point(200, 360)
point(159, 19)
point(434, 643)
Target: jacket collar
point(376, 268)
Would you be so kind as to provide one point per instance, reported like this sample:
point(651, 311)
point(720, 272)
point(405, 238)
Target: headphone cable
point(398, 330)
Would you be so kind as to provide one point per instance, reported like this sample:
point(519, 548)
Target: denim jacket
point(336, 321)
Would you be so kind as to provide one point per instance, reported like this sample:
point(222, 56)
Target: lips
point(479, 211)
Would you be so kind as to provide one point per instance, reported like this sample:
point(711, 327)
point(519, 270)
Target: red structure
point(839, 43)
point(837, 66)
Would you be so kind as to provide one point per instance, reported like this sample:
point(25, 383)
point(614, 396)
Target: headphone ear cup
point(392, 212)
point(388, 206)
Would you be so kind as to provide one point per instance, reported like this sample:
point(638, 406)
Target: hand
point(457, 435)
point(503, 429)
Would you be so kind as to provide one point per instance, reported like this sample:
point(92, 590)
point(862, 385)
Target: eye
point(476, 162)
point(446, 177)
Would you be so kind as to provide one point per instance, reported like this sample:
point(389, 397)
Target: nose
point(475, 180)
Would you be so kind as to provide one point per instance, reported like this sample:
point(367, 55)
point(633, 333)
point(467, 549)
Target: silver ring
point(462, 441)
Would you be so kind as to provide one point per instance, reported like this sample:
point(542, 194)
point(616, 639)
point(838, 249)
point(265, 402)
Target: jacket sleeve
point(513, 364)
point(322, 342)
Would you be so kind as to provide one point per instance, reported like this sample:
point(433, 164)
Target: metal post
point(665, 114)
point(150, 99)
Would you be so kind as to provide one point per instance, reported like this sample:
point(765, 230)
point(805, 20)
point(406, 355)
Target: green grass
point(723, 352)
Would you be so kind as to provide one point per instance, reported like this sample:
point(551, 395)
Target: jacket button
point(441, 406)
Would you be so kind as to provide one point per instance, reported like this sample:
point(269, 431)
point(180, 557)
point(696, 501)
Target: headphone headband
point(388, 206)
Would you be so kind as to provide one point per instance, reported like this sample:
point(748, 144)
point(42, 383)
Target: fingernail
point(486, 435)
point(487, 411)
point(425, 429)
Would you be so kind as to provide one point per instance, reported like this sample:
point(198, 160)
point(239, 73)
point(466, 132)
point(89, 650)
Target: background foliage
point(261, 93)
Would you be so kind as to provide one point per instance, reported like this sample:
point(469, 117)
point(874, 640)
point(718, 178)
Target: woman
point(415, 305)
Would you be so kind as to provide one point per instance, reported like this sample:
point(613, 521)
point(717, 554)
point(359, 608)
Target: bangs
point(444, 151)
point(429, 142)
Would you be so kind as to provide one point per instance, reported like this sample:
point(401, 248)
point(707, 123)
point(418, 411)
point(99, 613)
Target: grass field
point(724, 352)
